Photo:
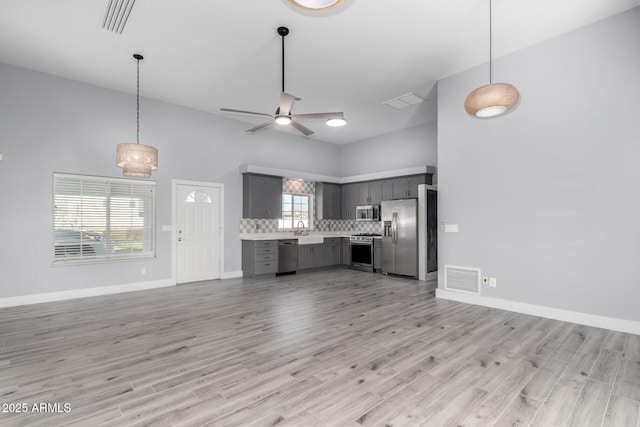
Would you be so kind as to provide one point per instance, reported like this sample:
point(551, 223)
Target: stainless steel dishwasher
point(287, 256)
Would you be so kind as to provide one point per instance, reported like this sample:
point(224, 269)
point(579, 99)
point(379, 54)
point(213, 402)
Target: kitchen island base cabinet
point(259, 258)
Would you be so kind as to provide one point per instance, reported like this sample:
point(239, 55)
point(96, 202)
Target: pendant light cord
point(490, 44)
point(138, 104)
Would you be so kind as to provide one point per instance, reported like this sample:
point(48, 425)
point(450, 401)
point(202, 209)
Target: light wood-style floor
point(339, 348)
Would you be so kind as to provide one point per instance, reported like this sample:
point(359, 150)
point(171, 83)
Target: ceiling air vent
point(404, 101)
point(117, 15)
point(462, 279)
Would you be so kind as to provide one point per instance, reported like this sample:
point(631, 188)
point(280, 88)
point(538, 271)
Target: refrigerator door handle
point(394, 227)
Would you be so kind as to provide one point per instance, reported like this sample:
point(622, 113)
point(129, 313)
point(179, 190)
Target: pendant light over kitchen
point(493, 99)
point(135, 159)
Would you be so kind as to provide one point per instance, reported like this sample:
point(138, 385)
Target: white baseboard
point(231, 274)
point(81, 293)
point(628, 326)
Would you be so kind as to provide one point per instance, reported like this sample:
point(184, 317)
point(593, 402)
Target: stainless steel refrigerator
point(400, 237)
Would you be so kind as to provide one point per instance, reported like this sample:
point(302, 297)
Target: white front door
point(197, 233)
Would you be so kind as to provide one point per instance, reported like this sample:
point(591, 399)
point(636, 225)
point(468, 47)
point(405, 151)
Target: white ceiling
point(208, 54)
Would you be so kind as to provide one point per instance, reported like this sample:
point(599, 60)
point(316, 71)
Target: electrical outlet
point(143, 271)
point(485, 280)
point(493, 282)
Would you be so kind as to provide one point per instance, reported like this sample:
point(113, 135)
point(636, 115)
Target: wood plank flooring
point(338, 348)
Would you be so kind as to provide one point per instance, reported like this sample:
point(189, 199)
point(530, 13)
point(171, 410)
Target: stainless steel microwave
point(368, 213)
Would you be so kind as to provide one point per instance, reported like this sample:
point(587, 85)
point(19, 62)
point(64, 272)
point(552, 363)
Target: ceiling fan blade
point(231, 110)
point(286, 102)
point(260, 127)
point(305, 130)
point(334, 115)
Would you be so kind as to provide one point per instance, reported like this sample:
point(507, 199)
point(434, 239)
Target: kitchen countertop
point(290, 235)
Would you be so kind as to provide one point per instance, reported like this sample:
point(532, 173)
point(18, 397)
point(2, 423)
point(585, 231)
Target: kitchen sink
point(310, 240)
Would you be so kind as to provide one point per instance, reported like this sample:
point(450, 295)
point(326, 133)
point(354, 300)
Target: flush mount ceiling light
point(135, 159)
point(493, 99)
point(283, 115)
point(316, 4)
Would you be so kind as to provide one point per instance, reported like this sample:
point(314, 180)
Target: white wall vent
point(462, 279)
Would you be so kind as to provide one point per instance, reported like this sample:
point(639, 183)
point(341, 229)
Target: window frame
point(310, 210)
point(114, 200)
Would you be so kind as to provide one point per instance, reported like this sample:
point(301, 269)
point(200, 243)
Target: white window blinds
point(99, 218)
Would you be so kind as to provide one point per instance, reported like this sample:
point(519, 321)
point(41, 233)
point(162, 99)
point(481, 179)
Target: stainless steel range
point(362, 251)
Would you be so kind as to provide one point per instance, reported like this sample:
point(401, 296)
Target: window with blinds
point(101, 219)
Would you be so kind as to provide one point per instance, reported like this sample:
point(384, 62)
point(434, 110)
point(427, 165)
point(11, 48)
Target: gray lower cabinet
point(332, 252)
point(377, 254)
point(259, 257)
point(346, 251)
point(309, 256)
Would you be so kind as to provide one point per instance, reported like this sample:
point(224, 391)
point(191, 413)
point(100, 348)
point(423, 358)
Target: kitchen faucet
point(298, 232)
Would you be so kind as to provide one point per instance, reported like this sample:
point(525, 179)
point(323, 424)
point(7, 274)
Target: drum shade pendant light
point(316, 4)
point(493, 99)
point(135, 159)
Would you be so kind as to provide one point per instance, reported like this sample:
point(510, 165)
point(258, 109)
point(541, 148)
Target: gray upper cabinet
point(349, 201)
point(375, 192)
point(261, 196)
point(328, 200)
point(369, 193)
point(400, 188)
point(407, 187)
point(414, 181)
point(362, 189)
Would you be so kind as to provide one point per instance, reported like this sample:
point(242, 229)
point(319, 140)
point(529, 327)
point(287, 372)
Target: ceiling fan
point(283, 115)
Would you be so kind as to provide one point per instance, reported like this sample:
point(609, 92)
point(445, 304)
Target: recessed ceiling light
point(316, 4)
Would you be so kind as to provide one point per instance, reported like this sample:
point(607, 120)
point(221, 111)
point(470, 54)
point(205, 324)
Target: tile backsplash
point(248, 225)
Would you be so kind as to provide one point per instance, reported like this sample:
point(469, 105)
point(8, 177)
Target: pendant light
point(316, 4)
point(493, 99)
point(135, 159)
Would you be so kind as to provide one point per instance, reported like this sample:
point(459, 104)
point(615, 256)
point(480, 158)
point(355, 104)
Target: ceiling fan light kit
point(283, 120)
point(283, 114)
point(336, 122)
point(316, 4)
point(494, 99)
point(135, 159)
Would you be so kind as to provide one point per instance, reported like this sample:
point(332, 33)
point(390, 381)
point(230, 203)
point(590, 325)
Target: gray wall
point(415, 146)
point(547, 197)
point(50, 124)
